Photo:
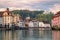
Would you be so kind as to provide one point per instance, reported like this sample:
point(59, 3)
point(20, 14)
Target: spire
point(7, 9)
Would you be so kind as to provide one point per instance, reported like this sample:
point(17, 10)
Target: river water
point(30, 35)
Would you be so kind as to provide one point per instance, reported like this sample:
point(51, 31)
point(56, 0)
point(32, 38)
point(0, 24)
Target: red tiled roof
point(1, 14)
point(56, 15)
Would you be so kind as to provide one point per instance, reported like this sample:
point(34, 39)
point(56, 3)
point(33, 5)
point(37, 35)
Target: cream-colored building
point(7, 18)
point(41, 24)
point(10, 18)
point(16, 19)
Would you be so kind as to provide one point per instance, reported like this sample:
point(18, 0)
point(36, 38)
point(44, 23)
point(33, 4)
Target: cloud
point(14, 2)
point(19, 4)
point(26, 4)
point(55, 8)
point(2, 9)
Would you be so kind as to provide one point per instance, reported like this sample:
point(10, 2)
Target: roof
point(9, 12)
point(1, 13)
point(56, 15)
point(46, 22)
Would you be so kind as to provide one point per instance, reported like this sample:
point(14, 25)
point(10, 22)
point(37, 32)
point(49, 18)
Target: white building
point(36, 23)
point(31, 24)
point(21, 24)
point(41, 24)
point(7, 18)
point(27, 18)
point(1, 20)
point(47, 25)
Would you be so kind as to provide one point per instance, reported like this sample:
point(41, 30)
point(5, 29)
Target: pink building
point(56, 20)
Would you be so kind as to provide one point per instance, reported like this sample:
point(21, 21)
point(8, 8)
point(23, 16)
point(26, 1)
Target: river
point(30, 35)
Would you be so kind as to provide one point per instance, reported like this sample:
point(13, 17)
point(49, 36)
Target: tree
point(45, 17)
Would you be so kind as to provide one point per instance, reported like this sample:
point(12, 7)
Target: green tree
point(45, 17)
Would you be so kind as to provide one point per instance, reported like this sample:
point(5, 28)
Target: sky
point(49, 5)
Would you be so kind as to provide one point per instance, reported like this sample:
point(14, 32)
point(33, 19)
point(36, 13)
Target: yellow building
point(7, 18)
point(10, 18)
point(16, 18)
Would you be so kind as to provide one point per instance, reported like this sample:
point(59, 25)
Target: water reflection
point(31, 34)
point(1, 35)
point(56, 35)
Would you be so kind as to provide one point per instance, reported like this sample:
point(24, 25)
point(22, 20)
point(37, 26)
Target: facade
point(56, 20)
point(31, 24)
point(41, 24)
point(36, 23)
point(44, 24)
point(16, 18)
point(47, 25)
point(21, 24)
point(27, 20)
point(1, 19)
point(7, 18)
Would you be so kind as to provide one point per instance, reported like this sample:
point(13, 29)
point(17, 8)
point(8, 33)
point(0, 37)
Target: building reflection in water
point(56, 35)
point(6, 35)
point(31, 34)
point(1, 35)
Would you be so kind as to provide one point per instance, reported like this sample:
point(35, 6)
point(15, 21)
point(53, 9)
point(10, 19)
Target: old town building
point(56, 20)
point(7, 18)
